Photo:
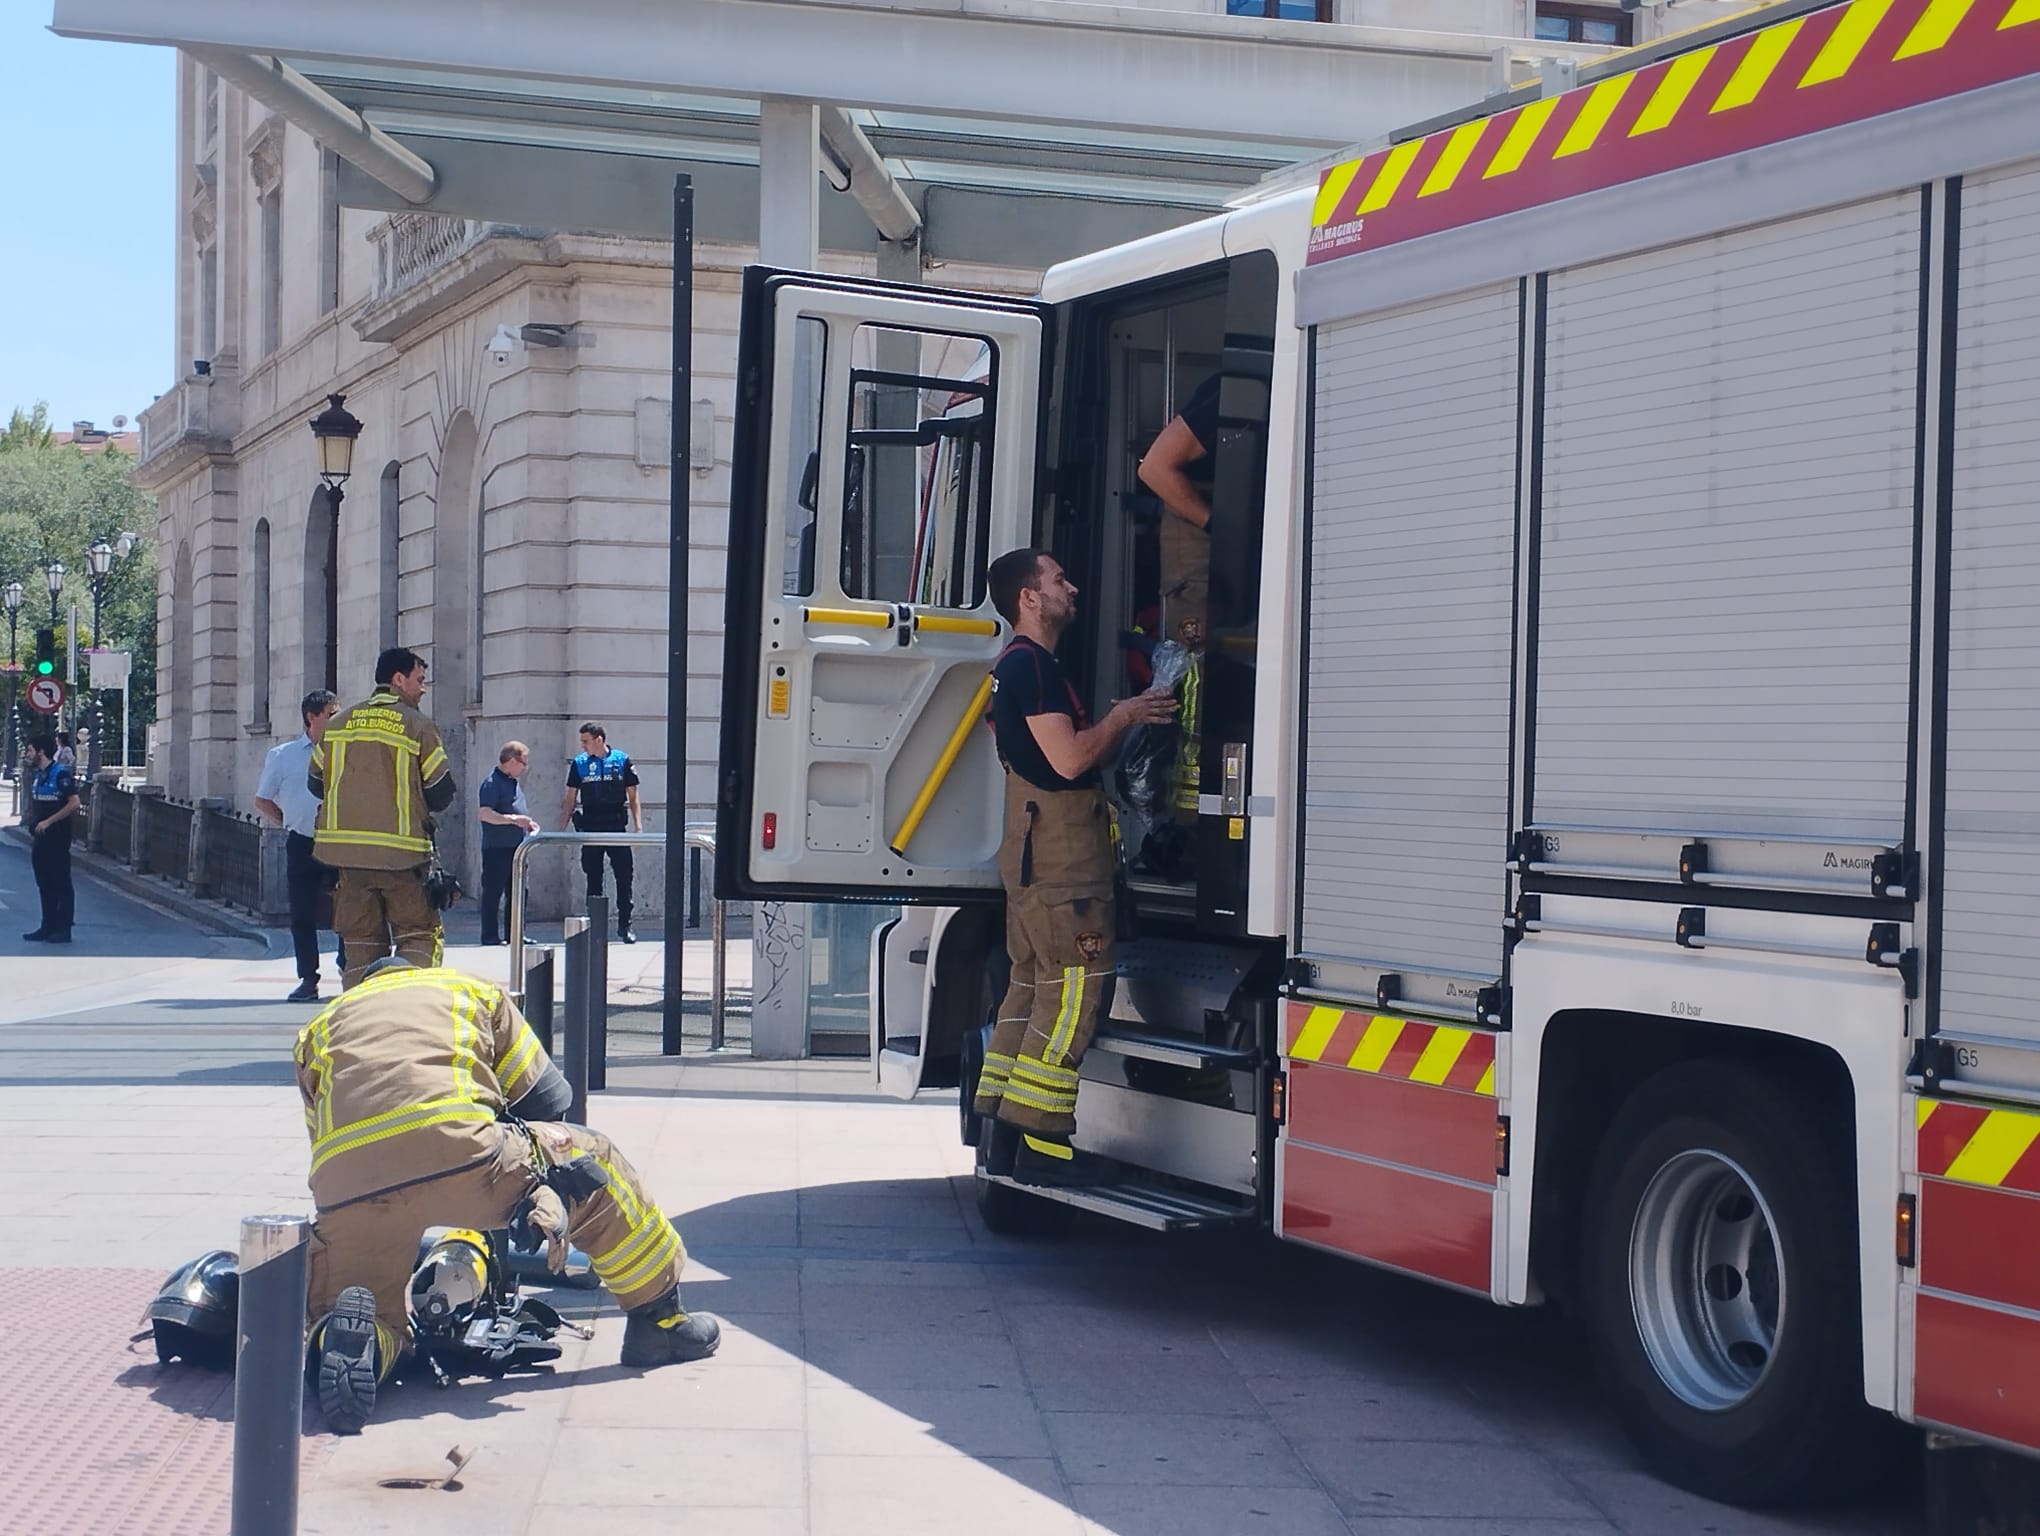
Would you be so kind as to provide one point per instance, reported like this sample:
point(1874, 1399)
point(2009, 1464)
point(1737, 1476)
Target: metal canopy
point(1023, 130)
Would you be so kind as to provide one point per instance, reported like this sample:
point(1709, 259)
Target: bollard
point(269, 1374)
point(574, 1027)
point(538, 998)
point(694, 887)
point(597, 981)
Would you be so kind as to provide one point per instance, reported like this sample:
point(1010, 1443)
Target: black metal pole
point(574, 1027)
point(595, 1006)
point(538, 998)
point(97, 713)
point(13, 687)
point(679, 536)
point(269, 1374)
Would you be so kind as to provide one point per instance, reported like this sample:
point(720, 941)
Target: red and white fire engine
point(1616, 870)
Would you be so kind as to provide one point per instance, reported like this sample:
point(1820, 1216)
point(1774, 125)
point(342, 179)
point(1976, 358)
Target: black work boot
point(623, 930)
point(661, 1333)
point(355, 1355)
point(1002, 1145)
point(1052, 1161)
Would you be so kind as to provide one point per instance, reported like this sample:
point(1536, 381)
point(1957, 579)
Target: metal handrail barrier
point(695, 834)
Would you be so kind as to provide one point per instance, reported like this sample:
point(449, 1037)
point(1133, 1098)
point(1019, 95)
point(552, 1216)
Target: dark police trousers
point(50, 858)
point(496, 892)
point(1056, 865)
point(307, 880)
point(620, 861)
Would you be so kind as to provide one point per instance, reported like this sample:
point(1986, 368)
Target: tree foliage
point(55, 500)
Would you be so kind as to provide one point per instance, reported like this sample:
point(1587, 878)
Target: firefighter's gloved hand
point(543, 1215)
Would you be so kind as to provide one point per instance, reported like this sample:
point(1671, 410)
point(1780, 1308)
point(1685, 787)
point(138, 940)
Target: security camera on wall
point(503, 343)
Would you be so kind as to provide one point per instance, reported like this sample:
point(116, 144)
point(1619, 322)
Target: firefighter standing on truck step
point(1057, 864)
point(430, 1103)
point(382, 775)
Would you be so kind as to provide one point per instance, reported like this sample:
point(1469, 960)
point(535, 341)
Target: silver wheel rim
point(1705, 1282)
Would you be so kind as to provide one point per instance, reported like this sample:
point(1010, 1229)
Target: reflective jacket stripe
point(396, 1122)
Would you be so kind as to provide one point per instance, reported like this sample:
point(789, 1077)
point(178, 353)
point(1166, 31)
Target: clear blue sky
point(87, 260)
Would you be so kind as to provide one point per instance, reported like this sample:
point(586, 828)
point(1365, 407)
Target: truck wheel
point(970, 1062)
point(1721, 1279)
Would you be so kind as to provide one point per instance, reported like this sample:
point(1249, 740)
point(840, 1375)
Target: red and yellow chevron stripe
point(1842, 65)
point(1387, 1046)
point(1996, 1148)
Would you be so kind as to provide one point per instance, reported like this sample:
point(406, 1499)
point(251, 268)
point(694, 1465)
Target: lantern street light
point(335, 430)
point(98, 561)
point(53, 576)
point(10, 598)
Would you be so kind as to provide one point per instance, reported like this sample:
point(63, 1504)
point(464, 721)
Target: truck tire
point(1720, 1271)
point(1009, 1211)
point(970, 1062)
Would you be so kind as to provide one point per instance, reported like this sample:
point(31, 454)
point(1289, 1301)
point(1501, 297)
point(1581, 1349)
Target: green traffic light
point(46, 667)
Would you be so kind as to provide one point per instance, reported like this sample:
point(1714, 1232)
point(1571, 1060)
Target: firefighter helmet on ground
point(193, 1315)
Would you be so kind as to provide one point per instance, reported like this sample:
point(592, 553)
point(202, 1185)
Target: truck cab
point(899, 438)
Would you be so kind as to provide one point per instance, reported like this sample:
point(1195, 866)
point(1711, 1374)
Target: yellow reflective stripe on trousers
point(395, 1122)
point(657, 1258)
point(626, 1255)
point(1045, 1074)
point(1034, 1098)
point(1065, 1029)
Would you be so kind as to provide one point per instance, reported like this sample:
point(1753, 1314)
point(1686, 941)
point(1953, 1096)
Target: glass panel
point(839, 968)
point(1600, 32)
point(1555, 29)
point(1246, 7)
point(803, 453)
point(1296, 10)
point(917, 509)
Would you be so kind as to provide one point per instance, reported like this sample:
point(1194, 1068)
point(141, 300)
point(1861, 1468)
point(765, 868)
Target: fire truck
point(1615, 869)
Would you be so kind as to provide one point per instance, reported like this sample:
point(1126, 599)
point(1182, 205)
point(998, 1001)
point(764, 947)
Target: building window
point(208, 300)
point(329, 231)
point(1586, 24)
point(272, 271)
point(1281, 10)
point(258, 710)
point(210, 129)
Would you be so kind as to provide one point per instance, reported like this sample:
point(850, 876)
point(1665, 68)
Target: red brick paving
point(96, 1436)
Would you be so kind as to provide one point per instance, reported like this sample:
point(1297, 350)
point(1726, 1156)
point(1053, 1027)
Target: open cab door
point(885, 454)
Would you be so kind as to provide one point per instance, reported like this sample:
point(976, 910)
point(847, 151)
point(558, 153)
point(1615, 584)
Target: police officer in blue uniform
point(49, 813)
point(605, 785)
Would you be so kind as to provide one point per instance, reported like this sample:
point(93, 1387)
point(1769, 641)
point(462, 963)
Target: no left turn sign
point(46, 695)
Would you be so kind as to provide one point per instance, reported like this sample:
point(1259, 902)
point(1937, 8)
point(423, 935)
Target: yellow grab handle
point(863, 618)
point(943, 764)
point(948, 624)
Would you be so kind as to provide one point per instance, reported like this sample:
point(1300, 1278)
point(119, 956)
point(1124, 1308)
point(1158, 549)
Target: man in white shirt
point(285, 800)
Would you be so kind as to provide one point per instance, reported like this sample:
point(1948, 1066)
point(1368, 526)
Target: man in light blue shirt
point(285, 799)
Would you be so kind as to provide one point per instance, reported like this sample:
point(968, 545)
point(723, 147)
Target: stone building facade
point(506, 517)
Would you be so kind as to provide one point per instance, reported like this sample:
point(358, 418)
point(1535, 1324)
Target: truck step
point(1152, 1206)
point(1173, 1050)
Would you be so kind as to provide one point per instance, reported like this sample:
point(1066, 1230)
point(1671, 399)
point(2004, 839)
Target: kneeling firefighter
point(1057, 864)
point(431, 1103)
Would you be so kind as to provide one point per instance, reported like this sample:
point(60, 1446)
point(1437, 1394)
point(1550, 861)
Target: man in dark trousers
point(285, 799)
point(506, 822)
point(606, 786)
point(50, 811)
point(1056, 864)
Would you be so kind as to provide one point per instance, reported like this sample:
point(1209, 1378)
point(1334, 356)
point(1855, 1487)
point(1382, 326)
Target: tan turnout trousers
point(380, 911)
point(1056, 864)
point(374, 1241)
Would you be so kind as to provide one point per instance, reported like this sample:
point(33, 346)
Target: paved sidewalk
point(889, 1366)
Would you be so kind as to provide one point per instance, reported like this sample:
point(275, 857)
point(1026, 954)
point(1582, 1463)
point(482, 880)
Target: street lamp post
point(53, 578)
point(98, 561)
point(334, 429)
point(10, 596)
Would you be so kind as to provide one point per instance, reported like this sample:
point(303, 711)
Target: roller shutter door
point(1407, 699)
point(1990, 918)
point(1727, 532)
